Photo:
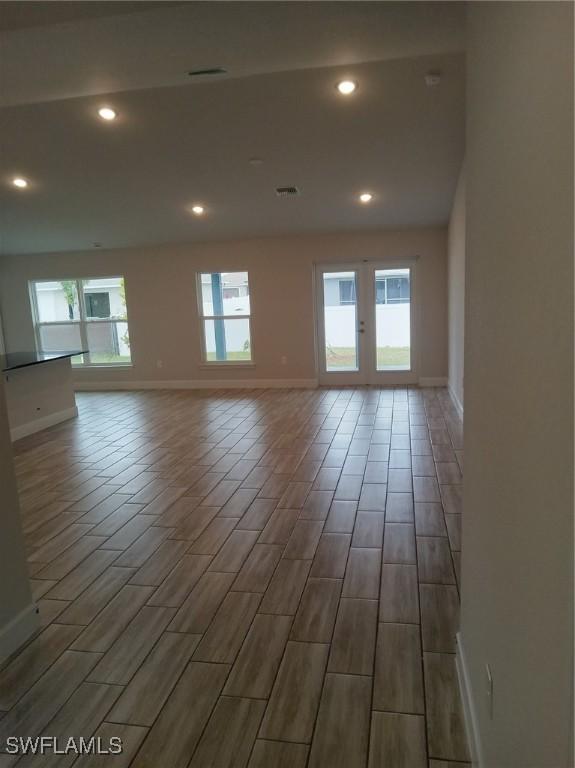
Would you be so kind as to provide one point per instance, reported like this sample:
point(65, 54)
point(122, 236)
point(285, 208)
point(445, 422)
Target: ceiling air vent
point(287, 191)
point(208, 72)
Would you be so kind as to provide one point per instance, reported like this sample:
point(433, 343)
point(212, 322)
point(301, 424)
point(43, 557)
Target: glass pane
point(57, 301)
point(228, 340)
point(108, 342)
point(340, 321)
point(62, 337)
point(346, 292)
point(104, 297)
point(397, 289)
point(392, 321)
point(225, 293)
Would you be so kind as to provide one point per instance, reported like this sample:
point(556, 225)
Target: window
point(225, 314)
point(97, 304)
point(82, 314)
point(347, 291)
point(397, 290)
point(380, 291)
point(393, 320)
point(340, 322)
point(392, 290)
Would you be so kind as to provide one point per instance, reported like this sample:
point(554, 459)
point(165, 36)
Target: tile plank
point(293, 704)
point(175, 734)
point(342, 731)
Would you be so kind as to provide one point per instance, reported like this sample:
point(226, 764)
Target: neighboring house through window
point(347, 291)
point(340, 291)
point(97, 304)
point(396, 289)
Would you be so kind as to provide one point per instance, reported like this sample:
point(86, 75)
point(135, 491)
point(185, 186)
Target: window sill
point(226, 364)
point(92, 366)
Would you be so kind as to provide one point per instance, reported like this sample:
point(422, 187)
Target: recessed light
point(346, 87)
point(365, 197)
point(198, 210)
point(107, 113)
point(20, 182)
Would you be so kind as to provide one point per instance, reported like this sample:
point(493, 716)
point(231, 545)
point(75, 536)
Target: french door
point(365, 323)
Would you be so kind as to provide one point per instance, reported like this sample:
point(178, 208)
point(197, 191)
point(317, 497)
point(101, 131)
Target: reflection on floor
point(244, 578)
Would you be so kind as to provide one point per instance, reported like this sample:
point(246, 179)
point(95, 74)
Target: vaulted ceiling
point(179, 140)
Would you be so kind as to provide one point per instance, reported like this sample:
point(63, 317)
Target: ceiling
point(179, 141)
point(21, 15)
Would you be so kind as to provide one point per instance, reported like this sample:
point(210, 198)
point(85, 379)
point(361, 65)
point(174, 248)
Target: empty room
point(286, 420)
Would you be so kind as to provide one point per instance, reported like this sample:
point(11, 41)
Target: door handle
point(361, 330)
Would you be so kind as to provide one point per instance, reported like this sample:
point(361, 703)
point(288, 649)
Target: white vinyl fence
point(392, 324)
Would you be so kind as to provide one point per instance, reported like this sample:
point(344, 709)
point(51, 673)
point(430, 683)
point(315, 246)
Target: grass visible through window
point(101, 358)
point(241, 355)
point(344, 357)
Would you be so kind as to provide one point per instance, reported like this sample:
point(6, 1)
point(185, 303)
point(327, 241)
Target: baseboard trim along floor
point(42, 423)
point(16, 632)
point(109, 386)
point(469, 713)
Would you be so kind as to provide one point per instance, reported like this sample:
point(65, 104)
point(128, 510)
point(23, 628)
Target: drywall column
point(18, 618)
point(517, 566)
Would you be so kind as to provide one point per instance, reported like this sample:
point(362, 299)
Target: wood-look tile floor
point(244, 578)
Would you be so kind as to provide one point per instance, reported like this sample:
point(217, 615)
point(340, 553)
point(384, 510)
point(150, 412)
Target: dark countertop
point(14, 360)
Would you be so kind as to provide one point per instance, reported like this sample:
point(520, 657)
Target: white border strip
point(456, 402)
point(95, 386)
point(103, 386)
point(469, 714)
point(42, 423)
point(432, 381)
point(18, 630)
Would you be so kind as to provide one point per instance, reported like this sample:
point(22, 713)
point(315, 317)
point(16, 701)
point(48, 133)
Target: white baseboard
point(456, 401)
point(42, 423)
point(432, 381)
point(469, 713)
point(106, 386)
point(18, 630)
point(101, 386)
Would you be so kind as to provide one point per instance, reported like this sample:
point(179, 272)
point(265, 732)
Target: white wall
point(162, 304)
point(517, 568)
point(456, 291)
point(17, 611)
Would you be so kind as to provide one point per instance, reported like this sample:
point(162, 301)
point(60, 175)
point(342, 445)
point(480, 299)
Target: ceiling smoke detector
point(287, 191)
point(432, 79)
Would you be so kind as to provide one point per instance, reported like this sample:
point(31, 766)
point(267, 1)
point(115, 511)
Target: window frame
point(82, 322)
point(205, 363)
point(353, 290)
